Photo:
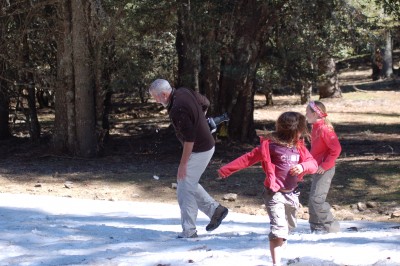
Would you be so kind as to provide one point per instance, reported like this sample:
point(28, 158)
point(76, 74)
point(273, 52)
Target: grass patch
point(366, 179)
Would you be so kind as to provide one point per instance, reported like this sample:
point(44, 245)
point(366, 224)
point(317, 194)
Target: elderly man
point(186, 109)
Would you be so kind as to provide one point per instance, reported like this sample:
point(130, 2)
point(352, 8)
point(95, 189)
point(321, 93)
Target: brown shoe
point(220, 213)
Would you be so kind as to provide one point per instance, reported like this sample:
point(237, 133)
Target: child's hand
point(320, 170)
point(296, 170)
point(220, 177)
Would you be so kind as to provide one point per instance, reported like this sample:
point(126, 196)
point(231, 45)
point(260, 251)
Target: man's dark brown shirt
point(187, 112)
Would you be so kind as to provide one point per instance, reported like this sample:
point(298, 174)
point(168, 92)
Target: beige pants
point(191, 195)
point(282, 209)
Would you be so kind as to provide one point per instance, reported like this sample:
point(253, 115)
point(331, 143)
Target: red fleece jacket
point(325, 146)
point(262, 154)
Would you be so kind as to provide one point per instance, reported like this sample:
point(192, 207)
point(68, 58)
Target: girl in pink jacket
point(325, 148)
point(285, 160)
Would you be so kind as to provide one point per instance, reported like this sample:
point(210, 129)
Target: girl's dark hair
point(290, 127)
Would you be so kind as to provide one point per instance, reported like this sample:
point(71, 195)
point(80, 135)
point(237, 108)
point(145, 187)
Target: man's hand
point(181, 171)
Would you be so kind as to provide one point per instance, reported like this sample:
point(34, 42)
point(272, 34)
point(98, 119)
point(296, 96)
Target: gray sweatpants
point(191, 195)
point(320, 211)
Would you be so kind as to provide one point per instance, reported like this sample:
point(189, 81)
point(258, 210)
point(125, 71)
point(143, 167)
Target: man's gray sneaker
point(220, 213)
point(183, 235)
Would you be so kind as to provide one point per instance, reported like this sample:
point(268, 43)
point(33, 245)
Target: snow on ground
point(44, 230)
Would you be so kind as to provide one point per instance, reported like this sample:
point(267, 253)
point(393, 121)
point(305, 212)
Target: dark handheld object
point(213, 122)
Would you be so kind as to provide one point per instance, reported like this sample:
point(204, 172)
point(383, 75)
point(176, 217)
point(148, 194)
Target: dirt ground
point(142, 154)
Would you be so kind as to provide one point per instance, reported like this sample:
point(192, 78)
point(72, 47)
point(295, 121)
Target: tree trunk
point(75, 99)
point(84, 80)
point(241, 123)
point(238, 72)
point(4, 112)
point(103, 92)
point(26, 76)
point(266, 86)
point(387, 69)
point(210, 60)
point(328, 84)
point(377, 64)
point(188, 47)
point(4, 95)
point(268, 96)
point(34, 126)
point(64, 136)
point(83, 98)
point(305, 91)
point(232, 46)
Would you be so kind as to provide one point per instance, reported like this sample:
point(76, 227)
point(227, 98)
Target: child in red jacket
point(325, 148)
point(285, 160)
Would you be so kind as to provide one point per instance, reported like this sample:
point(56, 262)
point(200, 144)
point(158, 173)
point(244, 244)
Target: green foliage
point(391, 7)
point(145, 46)
point(302, 36)
point(143, 34)
point(36, 27)
point(381, 16)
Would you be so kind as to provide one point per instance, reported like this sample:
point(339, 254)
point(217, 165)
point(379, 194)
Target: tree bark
point(34, 126)
point(84, 81)
point(265, 88)
point(75, 99)
point(4, 113)
point(188, 47)
point(268, 98)
point(64, 137)
point(238, 73)
point(103, 91)
point(83, 98)
point(26, 76)
point(377, 64)
point(387, 69)
point(210, 64)
point(4, 95)
point(328, 84)
point(231, 47)
point(305, 91)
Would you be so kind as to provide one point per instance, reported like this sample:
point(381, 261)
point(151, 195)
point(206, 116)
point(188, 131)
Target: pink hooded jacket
point(325, 146)
point(262, 154)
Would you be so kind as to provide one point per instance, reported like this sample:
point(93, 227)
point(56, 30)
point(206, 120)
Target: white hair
point(160, 85)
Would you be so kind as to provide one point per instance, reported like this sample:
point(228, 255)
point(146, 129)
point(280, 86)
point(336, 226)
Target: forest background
point(76, 119)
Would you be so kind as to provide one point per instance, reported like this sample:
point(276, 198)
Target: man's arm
point(187, 150)
point(203, 101)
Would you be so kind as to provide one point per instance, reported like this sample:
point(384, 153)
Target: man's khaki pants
point(192, 196)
